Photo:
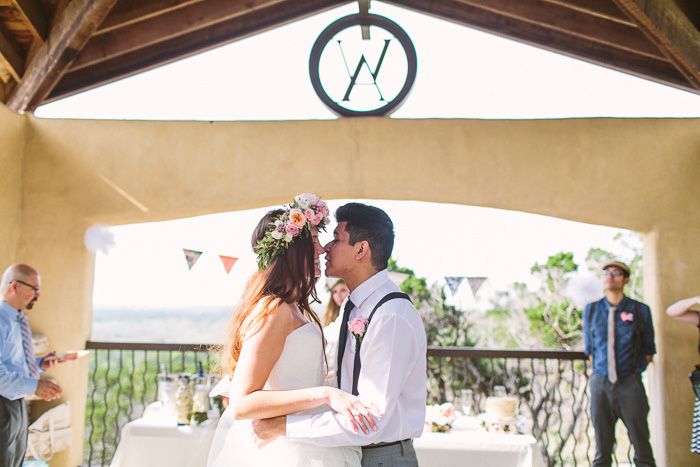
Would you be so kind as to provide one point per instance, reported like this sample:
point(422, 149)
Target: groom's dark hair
point(372, 225)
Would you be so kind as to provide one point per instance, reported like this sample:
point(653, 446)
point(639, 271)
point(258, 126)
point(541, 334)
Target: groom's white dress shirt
point(393, 373)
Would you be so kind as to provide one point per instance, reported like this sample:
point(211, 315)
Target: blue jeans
point(625, 400)
point(397, 455)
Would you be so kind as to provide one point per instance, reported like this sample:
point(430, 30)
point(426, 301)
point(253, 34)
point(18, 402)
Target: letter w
point(363, 61)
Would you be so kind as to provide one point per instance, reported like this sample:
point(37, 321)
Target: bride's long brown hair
point(289, 279)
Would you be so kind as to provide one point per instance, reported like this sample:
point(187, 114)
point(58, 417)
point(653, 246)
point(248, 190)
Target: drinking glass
point(499, 391)
point(467, 401)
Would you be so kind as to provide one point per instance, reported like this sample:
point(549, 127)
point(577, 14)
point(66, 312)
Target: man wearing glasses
point(19, 367)
point(619, 338)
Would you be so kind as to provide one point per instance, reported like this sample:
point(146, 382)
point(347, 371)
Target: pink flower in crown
point(315, 220)
point(625, 316)
point(358, 327)
point(292, 230)
point(297, 218)
point(309, 214)
point(323, 209)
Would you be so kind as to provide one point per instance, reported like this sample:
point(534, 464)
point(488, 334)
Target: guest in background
point(339, 292)
point(619, 338)
point(331, 323)
point(688, 311)
point(19, 367)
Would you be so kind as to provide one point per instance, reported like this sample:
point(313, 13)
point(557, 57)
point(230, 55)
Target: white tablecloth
point(156, 441)
point(467, 444)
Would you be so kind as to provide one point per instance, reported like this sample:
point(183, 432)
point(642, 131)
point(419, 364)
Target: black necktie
point(342, 340)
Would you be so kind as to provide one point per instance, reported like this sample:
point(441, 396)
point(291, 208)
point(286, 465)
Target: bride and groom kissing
point(283, 408)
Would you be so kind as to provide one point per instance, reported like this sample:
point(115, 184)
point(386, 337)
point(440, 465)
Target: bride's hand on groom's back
point(267, 430)
point(359, 413)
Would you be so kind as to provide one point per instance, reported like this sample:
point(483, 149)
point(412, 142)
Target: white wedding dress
point(301, 365)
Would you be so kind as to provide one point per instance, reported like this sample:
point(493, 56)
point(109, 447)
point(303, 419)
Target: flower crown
point(306, 212)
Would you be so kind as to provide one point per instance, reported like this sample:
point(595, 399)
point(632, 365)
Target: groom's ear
point(362, 251)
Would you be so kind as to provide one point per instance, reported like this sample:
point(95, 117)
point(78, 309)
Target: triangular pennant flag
point(191, 256)
point(228, 262)
point(475, 283)
point(453, 283)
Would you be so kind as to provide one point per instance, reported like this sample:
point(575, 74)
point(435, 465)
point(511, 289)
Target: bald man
point(19, 367)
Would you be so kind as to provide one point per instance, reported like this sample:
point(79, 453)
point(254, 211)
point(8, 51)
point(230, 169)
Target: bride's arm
point(259, 354)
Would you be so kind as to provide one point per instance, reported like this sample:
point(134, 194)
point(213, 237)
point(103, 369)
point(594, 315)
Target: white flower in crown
point(305, 200)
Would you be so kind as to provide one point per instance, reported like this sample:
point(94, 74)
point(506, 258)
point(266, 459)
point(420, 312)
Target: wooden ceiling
point(51, 49)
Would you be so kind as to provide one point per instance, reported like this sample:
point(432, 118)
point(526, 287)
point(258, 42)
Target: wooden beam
point(571, 21)
point(33, 16)
point(180, 47)
point(671, 30)
point(602, 8)
point(10, 54)
point(127, 12)
point(656, 69)
point(166, 26)
point(67, 37)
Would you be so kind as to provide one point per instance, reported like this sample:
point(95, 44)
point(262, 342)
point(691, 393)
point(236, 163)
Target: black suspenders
point(358, 364)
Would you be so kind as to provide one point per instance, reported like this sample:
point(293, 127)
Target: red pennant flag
point(228, 262)
point(191, 256)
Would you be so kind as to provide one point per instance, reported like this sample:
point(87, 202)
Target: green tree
point(553, 317)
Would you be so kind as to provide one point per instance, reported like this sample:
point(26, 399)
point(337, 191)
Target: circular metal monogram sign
point(355, 75)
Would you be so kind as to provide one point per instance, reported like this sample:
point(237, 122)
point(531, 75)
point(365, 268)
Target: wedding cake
point(501, 409)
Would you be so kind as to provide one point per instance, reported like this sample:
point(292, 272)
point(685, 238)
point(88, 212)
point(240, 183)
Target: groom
point(390, 371)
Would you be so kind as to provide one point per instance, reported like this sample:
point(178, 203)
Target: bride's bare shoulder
point(273, 316)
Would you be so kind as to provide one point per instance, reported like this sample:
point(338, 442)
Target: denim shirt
point(624, 336)
point(15, 382)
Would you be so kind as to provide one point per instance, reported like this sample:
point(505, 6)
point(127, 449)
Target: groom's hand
point(267, 430)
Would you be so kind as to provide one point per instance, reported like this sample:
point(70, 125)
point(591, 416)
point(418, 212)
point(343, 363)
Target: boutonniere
point(625, 316)
point(358, 327)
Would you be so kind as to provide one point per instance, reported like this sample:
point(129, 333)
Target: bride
point(273, 360)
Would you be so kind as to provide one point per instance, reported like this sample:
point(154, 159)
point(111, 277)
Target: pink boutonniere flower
point(625, 316)
point(358, 327)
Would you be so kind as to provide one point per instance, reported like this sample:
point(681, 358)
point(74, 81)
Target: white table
point(468, 444)
point(156, 440)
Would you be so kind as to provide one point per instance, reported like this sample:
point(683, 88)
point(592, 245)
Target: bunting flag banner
point(475, 283)
point(228, 262)
point(191, 256)
point(453, 283)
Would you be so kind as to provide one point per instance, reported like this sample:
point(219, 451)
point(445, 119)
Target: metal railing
point(123, 381)
point(551, 386)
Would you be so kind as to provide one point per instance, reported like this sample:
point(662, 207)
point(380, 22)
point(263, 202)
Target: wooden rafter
point(67, 37)
point(33, 16)
point(601, 8)
point(165, 26)
point(11, 55)
point(671, 30)
point(127, 12)
point(609, 55)
point(570, 21)
point(189, 44)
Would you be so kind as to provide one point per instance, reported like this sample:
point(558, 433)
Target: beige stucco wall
point(634, 174)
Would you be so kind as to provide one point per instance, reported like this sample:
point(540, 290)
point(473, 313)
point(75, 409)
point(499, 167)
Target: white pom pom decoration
point(99, 238)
